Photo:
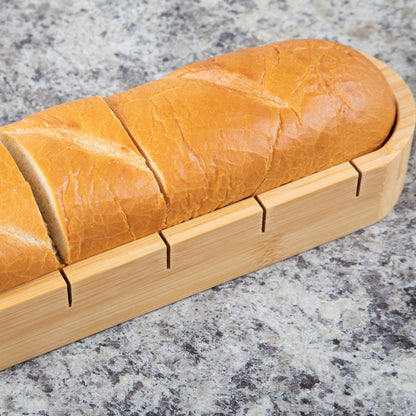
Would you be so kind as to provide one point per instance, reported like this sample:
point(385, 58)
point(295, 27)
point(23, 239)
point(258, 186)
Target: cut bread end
point(42, 193)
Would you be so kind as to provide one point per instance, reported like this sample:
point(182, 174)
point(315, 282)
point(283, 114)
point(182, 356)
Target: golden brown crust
point(235, 125)
point(196, 134)
point(25, 249)
point(336, 105)
point(104, 193)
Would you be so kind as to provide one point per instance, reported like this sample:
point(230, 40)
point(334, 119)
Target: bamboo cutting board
point(149, 273)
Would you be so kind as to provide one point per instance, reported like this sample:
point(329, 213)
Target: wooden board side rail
point(157, 270)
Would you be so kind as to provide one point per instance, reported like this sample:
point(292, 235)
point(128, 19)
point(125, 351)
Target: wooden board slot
point(168, 250)
point(68, 287)
point(360, 177)
point(263, 224)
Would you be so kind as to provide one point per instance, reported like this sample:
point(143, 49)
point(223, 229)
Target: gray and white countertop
point(330, 331)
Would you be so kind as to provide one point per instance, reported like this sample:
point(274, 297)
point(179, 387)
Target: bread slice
point(92, 185)
point(208, 145)
point(26, 251)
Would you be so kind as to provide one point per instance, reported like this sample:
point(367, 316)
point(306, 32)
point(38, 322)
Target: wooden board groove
point(359, 178)
point(180, 261)
point(68, 286)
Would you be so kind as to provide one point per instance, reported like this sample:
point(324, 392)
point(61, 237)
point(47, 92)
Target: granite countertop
point(330, 331)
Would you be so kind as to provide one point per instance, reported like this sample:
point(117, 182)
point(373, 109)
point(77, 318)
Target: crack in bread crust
point(146, 158)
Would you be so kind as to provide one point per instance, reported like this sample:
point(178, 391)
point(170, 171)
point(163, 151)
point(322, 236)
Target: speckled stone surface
point(331, 331)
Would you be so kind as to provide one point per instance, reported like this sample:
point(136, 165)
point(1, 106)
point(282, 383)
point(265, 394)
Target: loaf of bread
point(108, 171)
